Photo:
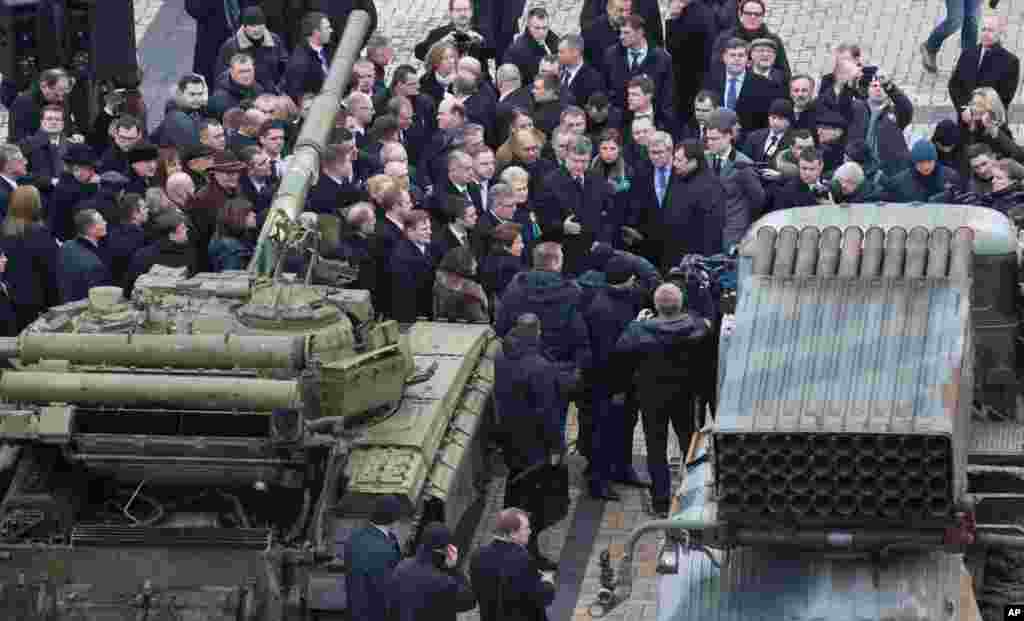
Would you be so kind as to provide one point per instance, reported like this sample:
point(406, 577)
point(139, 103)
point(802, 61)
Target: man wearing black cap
point(266, 48)
point(428, 586)
point(762, 145)
point(371, 553)
point(142, 163)
point(78, 183)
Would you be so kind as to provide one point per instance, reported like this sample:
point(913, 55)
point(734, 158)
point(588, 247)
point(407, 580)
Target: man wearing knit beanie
point(924, 181)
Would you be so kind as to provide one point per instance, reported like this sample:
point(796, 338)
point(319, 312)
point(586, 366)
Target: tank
point(841, 477)
point(202, 450)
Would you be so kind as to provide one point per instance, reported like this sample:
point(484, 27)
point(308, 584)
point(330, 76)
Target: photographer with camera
point(891, 112)
point(984, 121)
point(806, 190)
point(460, 33)
point(428, 586)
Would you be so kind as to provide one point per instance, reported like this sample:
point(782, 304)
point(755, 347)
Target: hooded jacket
point(526, 402)
point(556, 301)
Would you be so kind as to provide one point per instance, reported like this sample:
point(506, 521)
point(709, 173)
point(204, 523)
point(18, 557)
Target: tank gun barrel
point(186, 351)
point(305, 161)
point(179, 392)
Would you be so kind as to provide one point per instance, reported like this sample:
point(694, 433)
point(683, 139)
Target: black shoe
point(604, 492)
point(632, 479)
point(660, 508)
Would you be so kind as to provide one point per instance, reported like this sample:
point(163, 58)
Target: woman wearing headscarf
point(457, 294)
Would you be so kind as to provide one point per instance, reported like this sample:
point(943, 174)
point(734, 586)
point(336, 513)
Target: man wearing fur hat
point(142, 167)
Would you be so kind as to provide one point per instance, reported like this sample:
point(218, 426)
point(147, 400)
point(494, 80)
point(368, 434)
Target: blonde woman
point(441, 61)
point(985, 122)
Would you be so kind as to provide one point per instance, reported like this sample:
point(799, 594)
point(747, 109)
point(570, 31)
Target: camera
point(462, 42)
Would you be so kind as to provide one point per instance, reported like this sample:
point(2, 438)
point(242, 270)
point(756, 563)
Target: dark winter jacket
point(502, 569)
point(526, 53)
point(658, 355)
point(68, 197)
point(371, 556)
point(885, 135)
point(32, 272)
point(26, 115)
point(556, 301)
point(229, 253)
point(229, 94)
point(527, 402)
point(412, 281)
point(304, 73)
point(80, 268)
point(269, 57)
point(458, 297)
point(739, 32)
point(694, 217)
point(213, 27)
point(161, 252)
point(179, 127)
point(911, 186)
point(497, 270)
point(421, 591)
point(610, 311)
point(120, 245)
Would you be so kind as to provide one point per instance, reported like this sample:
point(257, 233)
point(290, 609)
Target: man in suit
point(45, 149)
point(372, 553)
point(632, 57)
point(508, 585)
point(989, 64)
point(704, 103)
point(459, 183)
point(648, 9)
point(479, 105)
point(451, 117)
point(308, 64)
point(337, 186)
point(581, 79)
point(801, 93)
point(257, 184)
point(763, 144)
point(742, 91)
point(640, 103)
point(648, 200)
point(547, 108)
point(534, 44)
point(459, 32)
point(13, 166)
point(577, 208)
point(499, 21)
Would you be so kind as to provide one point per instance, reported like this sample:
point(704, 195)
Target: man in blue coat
point(428, 586)
point(372, 553)
point(80, 265)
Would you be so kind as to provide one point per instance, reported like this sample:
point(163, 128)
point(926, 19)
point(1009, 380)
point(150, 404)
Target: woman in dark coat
point(694, 216)
point(441, 60)
point(610, 162)
point(457, 295)
point(412, 270)
point(32, 252)
point(8, 313)
point(231, 247)
point(504, 260)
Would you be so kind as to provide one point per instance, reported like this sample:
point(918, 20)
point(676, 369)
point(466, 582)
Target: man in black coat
point(338, 11)
point(257, 184)
point(632, 57)
point(498, 21)
point(691, 34)
point(236, 85)
point(80, 265)
point(428, 586)
point(547, 106)
point(78, 183)
point(372, 553)
point(266, 48)
point(989, 64)
point(747, 94)
point(658, 358)
point(52, 88)
point(460, 33)
point(610, 310)
point(648, 9)
point(215, 22)
point(582, 79)
point(171, 248)
point(508, 586)
point(337, 186)
point(762, 145)
point(308, 64)
point(805, 190)
point(750, 26)
point(536, 42)
point(528, 406)
point(45, 149)
point(601, 34)
point(577, 208)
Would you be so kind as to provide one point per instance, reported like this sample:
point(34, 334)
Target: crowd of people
point(542, 181)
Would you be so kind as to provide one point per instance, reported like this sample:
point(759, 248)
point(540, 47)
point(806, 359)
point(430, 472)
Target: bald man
point(660, 353)
point(988, 64)
point(179, 189)
point(504, 561)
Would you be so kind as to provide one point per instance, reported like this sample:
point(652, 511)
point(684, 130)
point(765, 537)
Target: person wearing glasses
point(751, 26)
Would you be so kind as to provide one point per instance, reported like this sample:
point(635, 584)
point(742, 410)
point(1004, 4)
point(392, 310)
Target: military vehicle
point(201, 450)
point(845, 476)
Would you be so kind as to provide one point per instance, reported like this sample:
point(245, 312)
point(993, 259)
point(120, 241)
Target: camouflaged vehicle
point(845, 476)
point(200, 451)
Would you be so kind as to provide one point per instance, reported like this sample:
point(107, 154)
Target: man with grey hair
point(662, 354)
point(459, 182)
point(512, 95)
point(582, 79)
point(851, 185)
point(576, 207)
point(478, 103)
point(501, 208)
point(988, 64)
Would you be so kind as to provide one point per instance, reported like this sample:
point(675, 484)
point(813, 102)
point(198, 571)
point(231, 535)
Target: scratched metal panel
point(845, 355)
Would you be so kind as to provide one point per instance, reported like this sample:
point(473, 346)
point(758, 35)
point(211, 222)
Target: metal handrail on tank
point(304, 163)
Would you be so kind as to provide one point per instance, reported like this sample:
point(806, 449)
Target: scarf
point(872, 136)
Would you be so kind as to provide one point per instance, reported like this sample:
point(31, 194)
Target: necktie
point(634, 59)
point(323, 59)
point(769, 148)
point(579, 182)
point(718, 164)
point(483, 195)
point(981, 57)
point(660, 186)
point(565, 77)
point(730, 95)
